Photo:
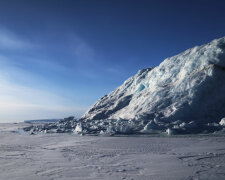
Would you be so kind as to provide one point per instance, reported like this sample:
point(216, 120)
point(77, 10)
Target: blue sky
point(57, 57)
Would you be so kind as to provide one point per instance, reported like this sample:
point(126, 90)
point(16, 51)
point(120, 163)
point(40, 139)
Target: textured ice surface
point(184, 93)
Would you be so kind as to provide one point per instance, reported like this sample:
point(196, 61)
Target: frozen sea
point(73, 157)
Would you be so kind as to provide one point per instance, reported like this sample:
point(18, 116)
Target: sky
point(58, 57)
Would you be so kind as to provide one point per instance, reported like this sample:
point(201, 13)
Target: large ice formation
point(184, 94)
point(186, 91)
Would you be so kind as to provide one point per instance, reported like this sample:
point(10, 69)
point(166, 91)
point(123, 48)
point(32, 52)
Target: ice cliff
point(184, 91)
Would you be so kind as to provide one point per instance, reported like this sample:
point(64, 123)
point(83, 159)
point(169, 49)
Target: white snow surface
point(66, 156)
point(188, 87)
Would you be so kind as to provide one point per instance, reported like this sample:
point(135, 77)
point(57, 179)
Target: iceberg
point(187, 88)
point(184, 94)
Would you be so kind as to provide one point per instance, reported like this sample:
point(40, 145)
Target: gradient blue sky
point(57, 57)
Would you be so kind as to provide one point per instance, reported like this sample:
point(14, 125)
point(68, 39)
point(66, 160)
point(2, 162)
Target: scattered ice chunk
point(213, 124)
point(222, 122)
point(169, 131)
point(176, 127)
point(62, 126)
point(191, 124)
point(122, 128)
point(109, 131)
point(151, 127)
point(78, 129)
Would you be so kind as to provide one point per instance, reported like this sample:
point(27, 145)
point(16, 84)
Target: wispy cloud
point(11, 41)
point(38, 81)
point(22, 93)
point(11, 112)
point(113, 70)
point(19, 102)
point(83, 52)
point(88, 60)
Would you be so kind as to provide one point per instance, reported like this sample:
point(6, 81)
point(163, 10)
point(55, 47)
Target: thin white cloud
point(11, 112)
point(84, 52)
point(22, 94)
point(11, 41)
point(112, 70)
point(19, 103)
point(47, 64)
point(88, 60)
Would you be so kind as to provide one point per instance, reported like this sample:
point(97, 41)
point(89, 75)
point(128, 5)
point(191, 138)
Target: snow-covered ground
point(68, 156)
